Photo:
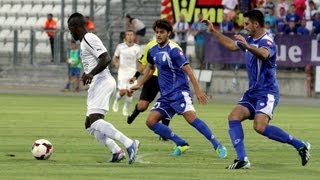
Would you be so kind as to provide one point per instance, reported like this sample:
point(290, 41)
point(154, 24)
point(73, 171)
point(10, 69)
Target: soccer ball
point(42, 149)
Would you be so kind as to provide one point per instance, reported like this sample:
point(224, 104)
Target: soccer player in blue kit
point(173, 72)
point(259, 101)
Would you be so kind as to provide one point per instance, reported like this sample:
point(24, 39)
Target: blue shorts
point(75, 71)
point(178, 103)
point(263, 103)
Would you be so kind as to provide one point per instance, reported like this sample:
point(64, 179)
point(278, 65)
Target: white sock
point(110, 131)
point(103, 139)
point(128, 102)
point(118, 97)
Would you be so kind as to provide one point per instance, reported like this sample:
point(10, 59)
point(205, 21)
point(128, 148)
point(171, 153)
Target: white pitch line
point(141, 156)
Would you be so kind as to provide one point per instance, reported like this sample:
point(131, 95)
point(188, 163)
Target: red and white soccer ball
point(42, 149)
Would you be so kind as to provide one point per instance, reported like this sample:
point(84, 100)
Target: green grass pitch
point(60, 119)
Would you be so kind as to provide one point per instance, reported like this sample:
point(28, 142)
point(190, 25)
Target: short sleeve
point(179, 57)
point(117, 51)
point(269, 45)
point(149, 58)
point(94, 44)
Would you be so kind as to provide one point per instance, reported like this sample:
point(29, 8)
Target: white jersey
point(91, 47)
point(103, 84)
point(138, 24)
point(128, 58)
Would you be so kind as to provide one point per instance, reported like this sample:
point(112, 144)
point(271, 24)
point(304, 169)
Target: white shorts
point(124, 75)
point(99, 93)
point(123, 82)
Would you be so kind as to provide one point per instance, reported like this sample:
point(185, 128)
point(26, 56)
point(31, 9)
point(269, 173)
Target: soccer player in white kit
point(125, 58)
point(95, 59)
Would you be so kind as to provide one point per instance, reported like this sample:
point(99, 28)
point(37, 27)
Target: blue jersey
point(169, 60)
point(261, 73)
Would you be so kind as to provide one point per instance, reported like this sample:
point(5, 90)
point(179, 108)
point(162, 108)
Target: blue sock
point(166, 132)
point(237, 137)
point(277, 134)
point(205, 130)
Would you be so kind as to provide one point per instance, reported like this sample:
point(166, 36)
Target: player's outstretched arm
point(146, 76)
point(140, 69)
point(201, 96)
point(222, 39)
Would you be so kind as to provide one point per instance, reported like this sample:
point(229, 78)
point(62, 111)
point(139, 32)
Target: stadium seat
point(8, 47)
point(5, 33)
point(101, 10)
point(40, 22)
point(26, 49)
point(2, 19)
point(14, 9)
point(25, 9)
point(30, 23)
point(5, 8)
point(24, 34)
point(9, 22)
point(19, 22)
point(41, 36)
point(35, 9)
point(43, 48)
point(47, 8)
point(56, 10)
point(21, 45)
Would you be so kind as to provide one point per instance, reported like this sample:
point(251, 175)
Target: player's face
point(73, 31)
point(130, 37)
point(162, 36)
point(250, 26)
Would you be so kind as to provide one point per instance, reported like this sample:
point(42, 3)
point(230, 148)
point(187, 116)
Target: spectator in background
point(302, 29)
point(50, 26)
point(268, 5)
point(269, 30)
point(244, 5)
point(311, 10)
point(229, 8)
point(309, 14)
point(316, 26)
point(300, 7)
point(258, 5)
point(282, 4)
point(137, 26)
point(292, 15)
point(90, 25)
point(75, 67)
point(291, 28)
point(181, 29)
point(226, 26)
point(198, 30)
point(271, 18)
point(281, 21)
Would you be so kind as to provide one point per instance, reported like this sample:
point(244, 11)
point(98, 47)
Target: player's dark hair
point(162, 24)
point(255, 15)
point(131, 18)
point(130, 30)
point(77, 18)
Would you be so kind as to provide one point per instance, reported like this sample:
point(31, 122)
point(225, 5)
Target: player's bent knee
point(92, 118)
point(87, 123)
point(258, 128)
point(149, 123)
point(142, 107)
